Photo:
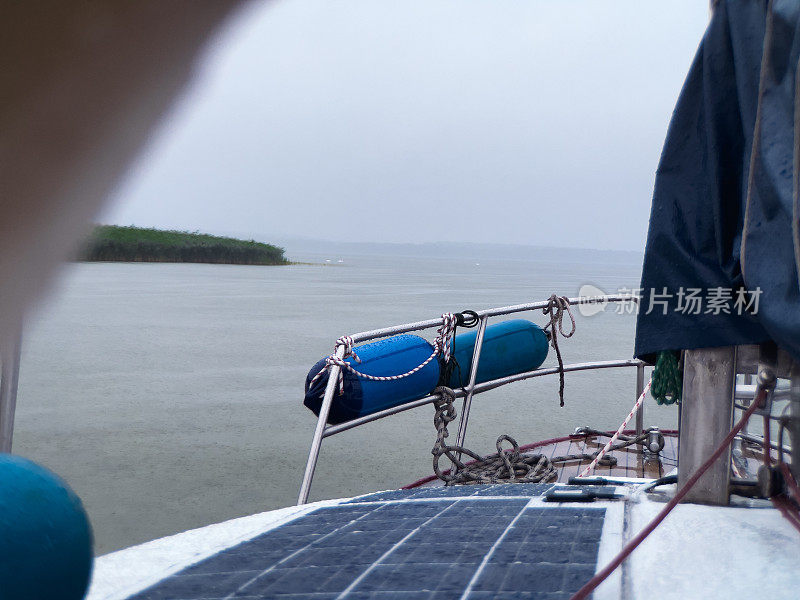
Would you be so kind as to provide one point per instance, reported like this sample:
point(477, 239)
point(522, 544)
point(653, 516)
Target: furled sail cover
point(723, 249)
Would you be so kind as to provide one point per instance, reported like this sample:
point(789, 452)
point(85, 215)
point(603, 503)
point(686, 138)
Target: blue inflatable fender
point(509, 348)
point(390, 356)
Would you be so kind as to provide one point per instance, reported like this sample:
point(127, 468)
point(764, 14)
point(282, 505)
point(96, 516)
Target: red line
point(601, 576)
point(787, 510)
point(794, 490)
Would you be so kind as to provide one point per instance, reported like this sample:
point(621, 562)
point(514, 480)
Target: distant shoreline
point(112, 243)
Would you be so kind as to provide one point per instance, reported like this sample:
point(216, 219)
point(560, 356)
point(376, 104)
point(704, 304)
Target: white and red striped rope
point(441, 345)
point(622, 427)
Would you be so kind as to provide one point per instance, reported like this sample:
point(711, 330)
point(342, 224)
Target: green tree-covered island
point(136, 244)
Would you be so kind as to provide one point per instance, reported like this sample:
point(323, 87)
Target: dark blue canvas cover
point(725, 209)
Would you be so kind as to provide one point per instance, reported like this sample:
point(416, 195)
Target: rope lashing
point(504, 466)
point(667, 378)
point(442, 345)
point(556, 307)
point(622, 427)
point(467, 319)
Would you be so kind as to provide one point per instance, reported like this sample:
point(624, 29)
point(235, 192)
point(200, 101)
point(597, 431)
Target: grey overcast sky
point(525, 122)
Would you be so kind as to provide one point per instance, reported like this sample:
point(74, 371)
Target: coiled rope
point(504, 466)
point(441, 346)
point(491, 469)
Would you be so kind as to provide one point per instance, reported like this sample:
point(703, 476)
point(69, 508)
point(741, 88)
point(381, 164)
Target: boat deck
point(505, 541)
point(630, 461)
point(475, 542)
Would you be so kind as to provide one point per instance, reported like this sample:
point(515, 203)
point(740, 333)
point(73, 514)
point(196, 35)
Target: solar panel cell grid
point(516, 489)
point(434, 550)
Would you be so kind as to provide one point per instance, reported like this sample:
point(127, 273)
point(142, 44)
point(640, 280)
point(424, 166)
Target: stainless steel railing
point(744, 393)
point(9, 378)
point(323, 430)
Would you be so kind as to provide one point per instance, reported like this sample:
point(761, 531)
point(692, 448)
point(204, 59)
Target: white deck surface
point(712, 552)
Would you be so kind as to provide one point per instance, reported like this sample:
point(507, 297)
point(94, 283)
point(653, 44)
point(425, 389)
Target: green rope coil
point(667, 378)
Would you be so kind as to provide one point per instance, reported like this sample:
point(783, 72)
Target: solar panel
point(406, 548)
point(528, 490)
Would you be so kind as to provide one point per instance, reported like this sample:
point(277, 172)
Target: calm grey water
point(169, 396)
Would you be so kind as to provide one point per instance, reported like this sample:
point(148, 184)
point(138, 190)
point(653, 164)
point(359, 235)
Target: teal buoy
point(45, 536)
